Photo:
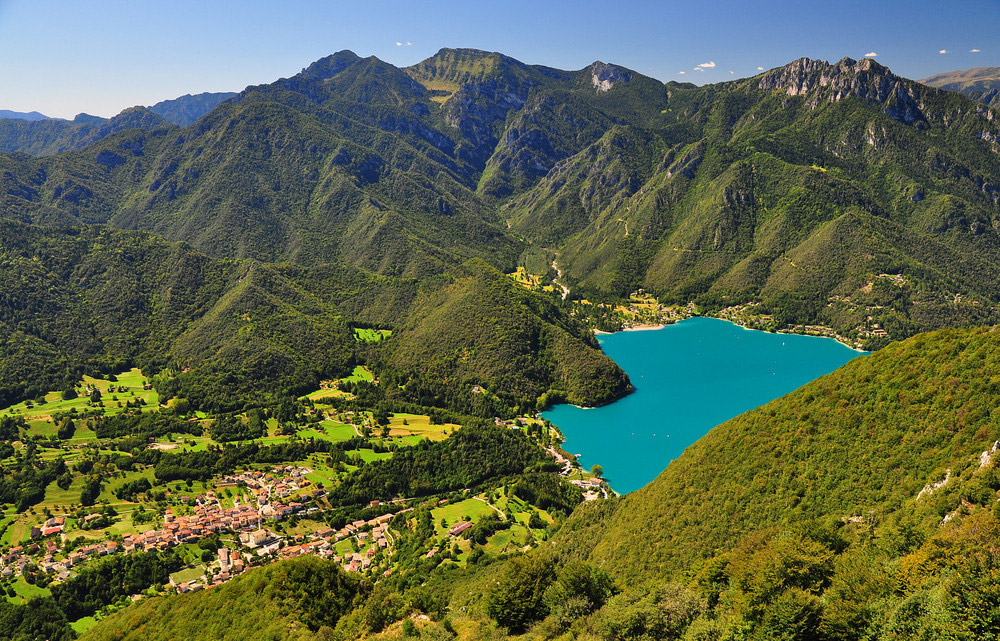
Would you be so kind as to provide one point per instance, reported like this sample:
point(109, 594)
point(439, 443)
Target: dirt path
point(565, 290)
point(503, 517)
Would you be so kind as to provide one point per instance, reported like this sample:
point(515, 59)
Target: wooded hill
point(293, 600)
point(38, 135)
point(49, 136)
point(238, 333)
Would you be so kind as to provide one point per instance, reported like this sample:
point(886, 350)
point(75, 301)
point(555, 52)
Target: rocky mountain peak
point(821, 81)
point(328, 66)
point(604, 75)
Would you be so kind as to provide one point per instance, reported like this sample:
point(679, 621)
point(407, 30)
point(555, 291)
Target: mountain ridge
point(980, 83)
point(720, 195)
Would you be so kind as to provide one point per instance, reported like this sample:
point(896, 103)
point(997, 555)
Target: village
point(274, 496)
point(244, 510)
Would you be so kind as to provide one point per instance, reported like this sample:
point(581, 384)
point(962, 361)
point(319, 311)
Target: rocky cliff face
point(866, 79)
point(604, 76)
point(477, 107)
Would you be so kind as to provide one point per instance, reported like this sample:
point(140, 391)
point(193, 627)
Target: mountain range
point(981, 83)
point(797, 188)
point(38, 135)
point(22, 115)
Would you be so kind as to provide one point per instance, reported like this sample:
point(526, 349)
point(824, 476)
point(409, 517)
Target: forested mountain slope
point(38, 135)
point(46, 137)
point(293, 600)
point(800, 184)
point(188, 108)
point(94, 299)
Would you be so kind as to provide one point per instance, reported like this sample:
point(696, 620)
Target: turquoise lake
point(688, 378)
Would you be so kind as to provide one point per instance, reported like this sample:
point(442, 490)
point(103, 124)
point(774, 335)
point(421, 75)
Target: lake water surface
point(688, 378)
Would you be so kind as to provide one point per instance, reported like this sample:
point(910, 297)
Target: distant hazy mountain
point(981, 83)
point(48, 137)
point(188, 108)
point(38, 135)
point(22, 115)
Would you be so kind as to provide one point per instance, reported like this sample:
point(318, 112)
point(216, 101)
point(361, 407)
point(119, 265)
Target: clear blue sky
point(62, 57)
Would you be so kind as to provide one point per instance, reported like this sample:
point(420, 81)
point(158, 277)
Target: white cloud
point(399, 44)
point(760, 68)
point(943, 51)
point(870, 54)
point(698, 69)
point(682, 72)
point(973, 50)
point(731, 72)
point(708, 65)
point(409, 44)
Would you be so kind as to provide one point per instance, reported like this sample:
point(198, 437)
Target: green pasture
point(420, 426)
point(82, 625)
point(132, 380)
point(360, 373)
point(26, 592)
point(456, 512)
point(188, 574)
point(371, 335)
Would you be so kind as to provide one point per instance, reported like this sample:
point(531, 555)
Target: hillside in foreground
point(300, 599)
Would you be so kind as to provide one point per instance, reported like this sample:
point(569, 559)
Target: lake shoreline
point(853, 345)
point(633, 328)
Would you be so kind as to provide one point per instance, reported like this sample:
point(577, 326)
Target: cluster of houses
point(230, 564)
point(207, 517)
point(17, 558)
point(281, 482)
point(372, 535)
point(593, 488)
point(52, 526)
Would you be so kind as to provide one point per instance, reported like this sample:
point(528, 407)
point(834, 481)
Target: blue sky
point(62, 57)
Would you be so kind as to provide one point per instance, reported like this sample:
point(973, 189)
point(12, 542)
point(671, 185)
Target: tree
point(66, 429)
point(517, 599)
point(597, 470)
point(91, 490)
point(64, 481)
point(179, 405)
